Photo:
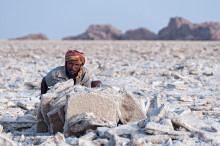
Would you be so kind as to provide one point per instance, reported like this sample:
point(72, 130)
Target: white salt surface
point(170, 69)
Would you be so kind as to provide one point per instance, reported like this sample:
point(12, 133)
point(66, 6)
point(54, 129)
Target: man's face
point(73, 67)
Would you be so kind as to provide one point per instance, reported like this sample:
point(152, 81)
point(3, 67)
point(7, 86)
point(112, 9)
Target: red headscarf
point(75, 55)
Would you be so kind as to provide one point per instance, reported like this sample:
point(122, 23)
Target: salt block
point(132, 109)
point(155, 102)
point(160, 112)
point(147, 105)
point(168, 123)
point(178, 135)
point(26, 105)
point(116, 140)
point(101, 131)
point(99, 104)
point(56, 124)
point(48, 142)
point(87, 121)
point(141, 123)
point(169, 142)
point(185, 112)
point(153, 119)
point(186, 98)
point(101, 141)
point(89, 136)
point(208, 73)
point(72, 141)
point(154, 139)
point(9, 124)
point(5, 141)
point(207, 136)
point(210, 113)
point(45, 106)
point(1, 128)
point(59, 87)
point(57, 101)
point(83, 142)
point(41, 126)
point(61, 97)
point(138, 142)
point(59, 137)
point(177, 75)
point(156, 128)
point(138, 134)
point(61, 111)
point(123, 130)
point(157, 139)
point(193, 72)
point(179, 121)
point(216, 127)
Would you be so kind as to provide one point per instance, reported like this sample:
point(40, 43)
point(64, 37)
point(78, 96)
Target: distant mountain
point(98, 32)
point(181, 29)
point(178, 29)
point(38, 36)
point(139, 34)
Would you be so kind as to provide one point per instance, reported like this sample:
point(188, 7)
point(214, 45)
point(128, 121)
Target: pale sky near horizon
point(61, 18)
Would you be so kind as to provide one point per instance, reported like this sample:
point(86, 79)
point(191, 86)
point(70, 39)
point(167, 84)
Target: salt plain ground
point(183, 74)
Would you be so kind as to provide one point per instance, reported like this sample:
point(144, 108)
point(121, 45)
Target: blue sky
point(61, 18)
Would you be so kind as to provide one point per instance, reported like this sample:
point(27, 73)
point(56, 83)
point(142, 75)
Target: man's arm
point(44, 86)
point(87, 83)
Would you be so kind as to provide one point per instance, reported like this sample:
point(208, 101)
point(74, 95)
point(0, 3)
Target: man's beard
point(71, 73)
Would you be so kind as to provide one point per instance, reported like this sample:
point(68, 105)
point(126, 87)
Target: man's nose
point(74, 67)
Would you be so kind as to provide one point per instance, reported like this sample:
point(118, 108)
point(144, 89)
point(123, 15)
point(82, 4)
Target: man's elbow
point(44, 86)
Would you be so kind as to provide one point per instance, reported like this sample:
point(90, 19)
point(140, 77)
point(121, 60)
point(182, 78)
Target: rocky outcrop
point(177, 29)
point(139, 34)
point(38, 36)
point(181, 29)
point(98, 32)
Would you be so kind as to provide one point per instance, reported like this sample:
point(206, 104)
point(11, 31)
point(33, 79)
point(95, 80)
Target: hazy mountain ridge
point(178, 28)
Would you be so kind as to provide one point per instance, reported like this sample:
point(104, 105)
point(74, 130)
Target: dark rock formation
point(139, 34)
point(98, 32)
point(181, 29)
point(177, 29)
point(38, 36)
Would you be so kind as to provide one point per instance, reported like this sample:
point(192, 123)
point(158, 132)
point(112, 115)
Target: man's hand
point(96, 84)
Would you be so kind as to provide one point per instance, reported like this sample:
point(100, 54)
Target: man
point(73, 69)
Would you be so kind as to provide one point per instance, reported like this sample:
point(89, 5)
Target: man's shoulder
point(58, 71)
point(59, 68)
point(86, 73)
point(55, 75)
